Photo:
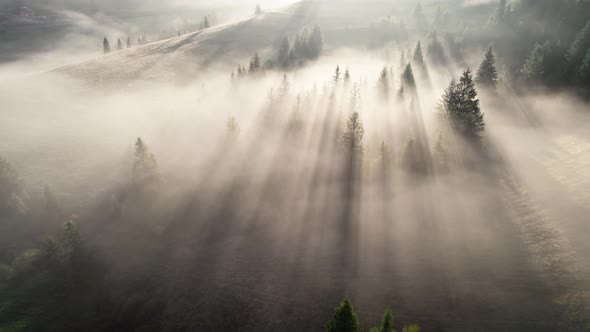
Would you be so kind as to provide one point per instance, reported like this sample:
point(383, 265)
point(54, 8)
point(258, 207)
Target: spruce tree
point(315, 43)
point(418, 56)
point(500, 15)
point(408, 77)
point(284, 52)
point(462, 107)
point(255, 63)
point(579, 47)
point(346, 77)
point(345, 319)
point(206, 24)
point(128, 42)
point(232, 130)
point(145, 167)
point(386, 322)
point(487, 75)
point(534, 67)
point(354, 133)
point(106, 46)
point(384, 83)
point(336, 77)
point(119, 44)
point(583, 74)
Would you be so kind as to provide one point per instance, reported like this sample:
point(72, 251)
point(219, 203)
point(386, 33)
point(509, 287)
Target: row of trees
point(120, 46)
point(345, 319)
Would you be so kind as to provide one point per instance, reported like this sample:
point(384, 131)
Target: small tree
point(232, 130)
point(384, 83)
point(386, 323)
point(461, 105)
point(145, 167)
point(579, 47)
point(258, 10)
point(106, 46)
point(346, 77)
point(487, 75)
point(255, 63)
point(418, 55)
point(129, 42)
point(584, 70)
point(345, 319)
point(119, 44)
point(411, 328)
point(206, 23)
point(336, 77)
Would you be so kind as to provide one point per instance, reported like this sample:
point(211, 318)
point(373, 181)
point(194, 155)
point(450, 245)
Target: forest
point(316, 165)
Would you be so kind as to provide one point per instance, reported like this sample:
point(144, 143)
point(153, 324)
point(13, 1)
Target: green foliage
point(534, 67)
point(11, 192)
point(387, 322)
point(462, 106)
point(584, 71)
point(345, 319)
point(487, 75)
point(412, 328)
point(580, 46)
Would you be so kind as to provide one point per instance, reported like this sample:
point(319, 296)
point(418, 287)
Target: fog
point(275, 192)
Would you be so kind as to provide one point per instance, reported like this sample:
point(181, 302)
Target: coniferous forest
point(314, 165)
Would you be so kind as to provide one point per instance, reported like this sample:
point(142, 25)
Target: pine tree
point(344, 320)
point(436, 52)
point(145, 167)
point(315, 43)
point(232, 130)
point(500, 15)
point(461, 105)
point(534, 67)
point(418, 56)
point(353, 136)
point(284, 88)
point(346, 77)
point(583, 74)
point(255, 63)
point(106, 46)
point(386, 322)
point(384, 83)
point(487, 74)
point(258, 10)
point(206, 24)
point(119, 44)
point(128, 42)
point(336, 77)
point(300, 46)
point(284, 52)
point(579, 47)
point(408, 77)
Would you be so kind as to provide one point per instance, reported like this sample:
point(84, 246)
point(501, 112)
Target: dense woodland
point(148, 256)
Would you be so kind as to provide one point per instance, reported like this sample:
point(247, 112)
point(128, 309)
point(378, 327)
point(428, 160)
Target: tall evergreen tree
point(119, 44)
point(255, 63)
point(408, 77)
point(534, 67)
point(386, 323)
point(145, 167)
point(129, 42)
point(206, 23)
point(354, 133)
point(500, 15)
point(345, 319)
point(583, 75)
point(487, 75)
point(418, 56)
point(106, 46)
point(346, 77)
point(579, 47)
point(315, 43)
point(384, 83)
point(284, 52)
point(462, 107)
point(436, 52)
